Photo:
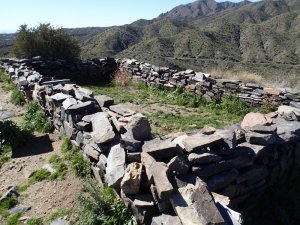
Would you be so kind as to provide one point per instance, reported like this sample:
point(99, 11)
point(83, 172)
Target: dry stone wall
point(201, 83)
point(201, 177)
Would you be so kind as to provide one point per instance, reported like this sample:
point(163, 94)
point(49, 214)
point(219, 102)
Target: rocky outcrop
point(183, 179)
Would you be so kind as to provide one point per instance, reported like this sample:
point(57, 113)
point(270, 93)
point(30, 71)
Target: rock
point(69, 102)
point(60, 97)
point(131, 144)
point(121, 110)
point(83, 94)
point(81, 108)
point(119, 127)
point(161, 149)
point(222, 180)
point(49, 168)
point(203, 157)
point(288, 131)
point(272, 91)
point(5, 114)
point(255, 173)
point(178, 140)
point(132, 179)
point(163, 205)
point(199, 141)
point(158, 172)
point(139, 128)
point(208, 130)
point(104, 100)
point(102, 163)
point(166, 219)
point(230, 216)
point(260, 139)
point(252, 119)
point(179, 165)
point(289, 113)
point(19, 209)
point(264, 129)
point(212, 169)
point(295, 104)
point(68, 129)
point(102, 129)
point(97, 174)
point(115, 166)
point(195, 206)
point(84, 126)
point(91, 152)
point(60, 221)
point(228, 136)
point(143, 201)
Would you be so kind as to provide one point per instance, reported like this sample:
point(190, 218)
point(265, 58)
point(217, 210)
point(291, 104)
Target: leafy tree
point(47, 41)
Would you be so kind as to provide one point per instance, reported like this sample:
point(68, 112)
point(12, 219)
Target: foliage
point(58, 214)
point(7, 203)
point(17, 97)
point(71, 153)
point(46, 41)
point(101, 206)
point(39, 175)
point(35, 119)
point(13, 135)
point(59, 166)
point(5, 154)
point(14, 219)
point(35, 221)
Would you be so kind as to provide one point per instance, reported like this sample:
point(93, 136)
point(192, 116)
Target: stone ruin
point(200, 177)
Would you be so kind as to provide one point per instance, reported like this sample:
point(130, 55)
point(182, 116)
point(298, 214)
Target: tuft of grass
point(39, 175)
point(7, 203)
point(34, 119)
point(66, 145)
point(60, 167)
point(5, 154)
point(14, 219)
point(58, 214)
point(22, 187)
point(35, 221)
point(17, 97)
point(101, 206)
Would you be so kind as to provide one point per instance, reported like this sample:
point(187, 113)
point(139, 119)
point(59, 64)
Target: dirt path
point(43, 197)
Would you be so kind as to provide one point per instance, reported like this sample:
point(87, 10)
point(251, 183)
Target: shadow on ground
point(38, 145)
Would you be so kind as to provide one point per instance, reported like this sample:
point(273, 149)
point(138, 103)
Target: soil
point(43, 197)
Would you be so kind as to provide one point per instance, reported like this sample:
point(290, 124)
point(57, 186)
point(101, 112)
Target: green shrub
point(47, 41)
point(7, 203)
point(14, 219)
point(34, 119)
point(60, 167)
point(11, 134)
point(101, 206)
point(66, 145)
point(35, 221)
point(39, 175)
point(17, 97)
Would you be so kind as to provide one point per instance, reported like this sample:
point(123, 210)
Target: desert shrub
point(46, 41)
point(17, 97)
point(101, 206)
point(34, 119)
point(121, 79)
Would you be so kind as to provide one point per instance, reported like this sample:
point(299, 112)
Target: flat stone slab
point(143, 201)
point(222, 180)
point(116, 163)
point(264, 129)
point(203, 157)
point(212, 169)
point(260, 139)
point(60, 97)
point(69, 102)
point(195, 206)
point(121, 110)
point(161, 149)
point(165, 219)
point(199, 141)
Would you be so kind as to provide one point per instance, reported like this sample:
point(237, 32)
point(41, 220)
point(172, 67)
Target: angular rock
point(121, 110)
point(179, 165)
point(91, 152)
point(163, 205)
point(158, 172)
point(260, 139)
point(143, 201)
point(161, 149)
point(208, 130)
point(264, 129)
point(131, 144)
point(199, 141)
point(60, 97)
point(139, 128)
point(19, 209)
point(104, 100)
point(228, 136)
point(252, 119)
point(166, 219)
point(178, 140)
point(203, 157)
point(132, 179)
point(115, 169)
point(212, 169)
point(222, 180)
point(195, 206)
point(295, 104)
point(69, 102)
point(230, 216)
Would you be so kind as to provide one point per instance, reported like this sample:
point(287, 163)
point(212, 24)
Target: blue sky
point(81, 13)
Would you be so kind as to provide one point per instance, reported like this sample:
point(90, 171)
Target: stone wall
point(201, 83)
point(201, 177)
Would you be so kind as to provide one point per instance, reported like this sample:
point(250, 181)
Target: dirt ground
point(43, 197)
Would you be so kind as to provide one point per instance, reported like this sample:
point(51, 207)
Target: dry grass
point(244, 76)
point(121, 79)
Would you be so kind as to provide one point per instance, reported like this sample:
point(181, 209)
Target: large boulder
point(252, 119)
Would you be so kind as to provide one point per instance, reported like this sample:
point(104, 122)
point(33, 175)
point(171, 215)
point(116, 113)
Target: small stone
point(132, 179)
point(143, 201)
point(19, 209)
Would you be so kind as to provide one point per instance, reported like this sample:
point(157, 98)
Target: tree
point(47, 41)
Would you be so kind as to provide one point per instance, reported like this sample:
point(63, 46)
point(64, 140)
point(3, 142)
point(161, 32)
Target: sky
point(81, 13)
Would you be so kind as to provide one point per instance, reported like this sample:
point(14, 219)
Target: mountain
point(200, 8)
